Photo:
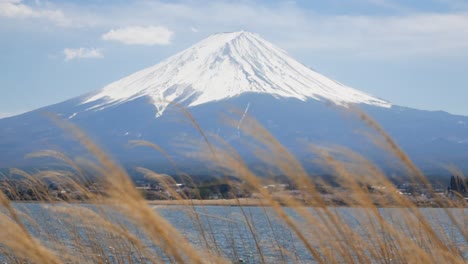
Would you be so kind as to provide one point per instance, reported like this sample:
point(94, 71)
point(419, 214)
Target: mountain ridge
point(128, 109)
point(223, 66)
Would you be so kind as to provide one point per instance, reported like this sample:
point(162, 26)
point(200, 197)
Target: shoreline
point(263, 203)
point(248, 202)
point(218, 202)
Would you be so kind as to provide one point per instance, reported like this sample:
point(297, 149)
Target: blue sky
point(411, 53)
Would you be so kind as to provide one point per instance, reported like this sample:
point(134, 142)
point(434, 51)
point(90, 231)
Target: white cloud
point(153, 35)
point(390, 35)
point(15, 9)
point(399, 32)
point(415, 34)
point(82, 53)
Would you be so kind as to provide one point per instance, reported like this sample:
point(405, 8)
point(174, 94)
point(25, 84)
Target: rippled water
point(229, 230)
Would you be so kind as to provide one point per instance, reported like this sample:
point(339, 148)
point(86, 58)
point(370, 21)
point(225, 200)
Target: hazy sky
point(412, 53)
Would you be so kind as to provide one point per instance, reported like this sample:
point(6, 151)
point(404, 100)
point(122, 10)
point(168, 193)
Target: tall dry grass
point(117, 225)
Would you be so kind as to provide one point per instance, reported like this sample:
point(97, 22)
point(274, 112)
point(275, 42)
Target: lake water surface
point(239, 234)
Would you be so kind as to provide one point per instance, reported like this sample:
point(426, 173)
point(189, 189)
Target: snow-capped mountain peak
point(223, 66)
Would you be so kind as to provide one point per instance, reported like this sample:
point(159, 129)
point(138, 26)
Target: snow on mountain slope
point(224, 66)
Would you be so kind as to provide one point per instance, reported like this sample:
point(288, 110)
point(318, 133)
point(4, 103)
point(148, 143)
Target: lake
point(239, 234)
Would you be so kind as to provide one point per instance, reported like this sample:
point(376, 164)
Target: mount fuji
point(228, 71)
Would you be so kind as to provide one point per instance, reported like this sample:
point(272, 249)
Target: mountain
point(224, 66)
point(228, 71)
